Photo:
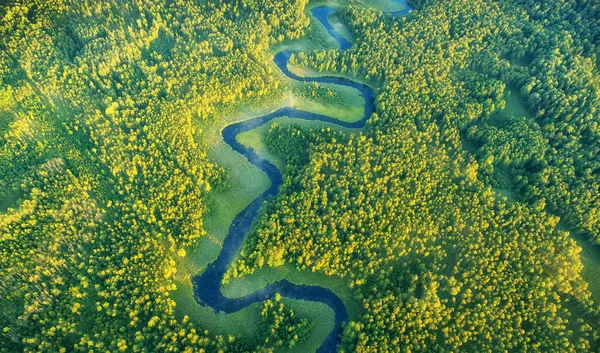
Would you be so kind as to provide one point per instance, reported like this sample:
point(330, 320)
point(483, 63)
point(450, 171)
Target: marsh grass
point(246, 323)
point(245, 183)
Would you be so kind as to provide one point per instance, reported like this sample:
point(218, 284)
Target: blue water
point(321, 14)
point(207, 286)
point(407, 8)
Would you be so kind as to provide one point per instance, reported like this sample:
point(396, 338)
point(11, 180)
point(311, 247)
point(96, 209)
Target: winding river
point(207, 285)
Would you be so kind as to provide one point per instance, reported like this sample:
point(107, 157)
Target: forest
point(460, 218)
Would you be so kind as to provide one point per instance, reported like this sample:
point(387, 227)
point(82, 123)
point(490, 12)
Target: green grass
point(6, 117)
point(320, 315)
point(10, 199)
point(514, 104)
point(246, 183)
point(340, 27)
point(514, 107)
point(344, 103)
point(255, 140)
point(590, 257)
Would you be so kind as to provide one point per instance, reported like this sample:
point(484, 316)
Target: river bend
point(207, 285)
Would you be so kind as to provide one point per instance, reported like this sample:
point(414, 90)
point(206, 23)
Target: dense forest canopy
point(450, 216)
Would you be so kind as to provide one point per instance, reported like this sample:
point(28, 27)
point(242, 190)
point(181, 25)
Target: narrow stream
point(207, 285)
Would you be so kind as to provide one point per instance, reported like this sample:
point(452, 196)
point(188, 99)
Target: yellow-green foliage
point(107, 108)
point(105, 172)
point(440, 260)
